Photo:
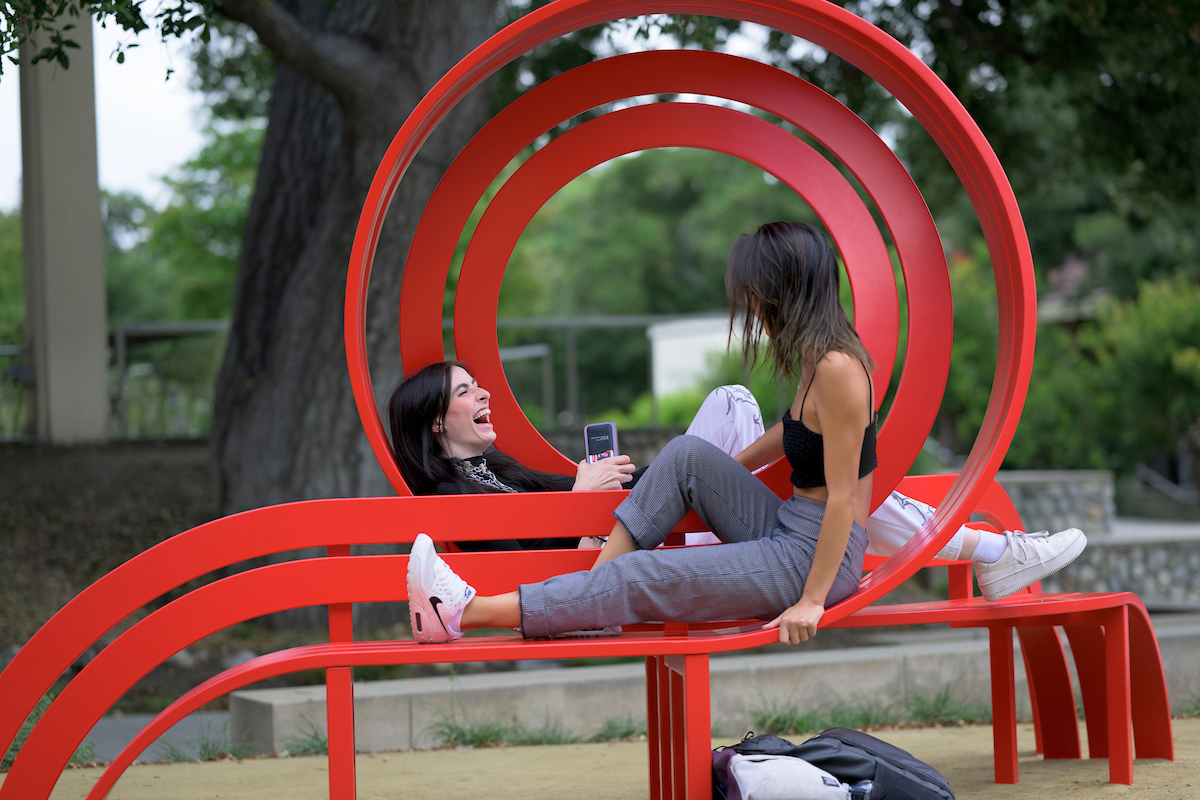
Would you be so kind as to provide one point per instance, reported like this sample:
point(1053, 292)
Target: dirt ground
point(69, 515)
point(618, 771)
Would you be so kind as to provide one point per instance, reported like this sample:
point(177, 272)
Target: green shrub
point(939, 708)
point(312, 741)
point(615, 728)
point(494, 733)
point(83, 755)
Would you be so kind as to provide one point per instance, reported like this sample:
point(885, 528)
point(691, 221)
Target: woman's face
point(466, 430)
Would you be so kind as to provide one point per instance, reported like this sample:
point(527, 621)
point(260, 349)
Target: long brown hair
point(783, 279)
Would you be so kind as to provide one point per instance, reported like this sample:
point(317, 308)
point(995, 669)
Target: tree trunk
point(285, 426)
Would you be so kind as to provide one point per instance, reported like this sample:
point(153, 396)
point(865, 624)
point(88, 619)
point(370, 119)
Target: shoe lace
point(1024, 544)
point(445, 580)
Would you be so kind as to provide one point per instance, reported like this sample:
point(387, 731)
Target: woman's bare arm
point(763, 450)
point(840, 397)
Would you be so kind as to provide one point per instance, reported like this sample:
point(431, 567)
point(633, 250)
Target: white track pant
point(731, 419)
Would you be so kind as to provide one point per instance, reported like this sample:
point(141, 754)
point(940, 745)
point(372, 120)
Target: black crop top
point(805, 450)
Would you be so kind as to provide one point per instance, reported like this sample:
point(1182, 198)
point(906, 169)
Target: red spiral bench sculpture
point(1114, 646)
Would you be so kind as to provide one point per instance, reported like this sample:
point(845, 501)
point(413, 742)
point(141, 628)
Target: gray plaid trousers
point(757, 573)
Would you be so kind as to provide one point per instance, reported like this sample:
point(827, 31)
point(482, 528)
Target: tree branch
point(352, 72)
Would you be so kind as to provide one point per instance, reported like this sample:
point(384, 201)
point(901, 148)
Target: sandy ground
point(618, 771)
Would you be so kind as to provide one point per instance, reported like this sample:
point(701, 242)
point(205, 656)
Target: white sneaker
point(436, 596)
point(1028, 558)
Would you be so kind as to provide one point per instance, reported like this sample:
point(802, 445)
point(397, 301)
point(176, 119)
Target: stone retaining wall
point(1159, 562)
point(1053, 500)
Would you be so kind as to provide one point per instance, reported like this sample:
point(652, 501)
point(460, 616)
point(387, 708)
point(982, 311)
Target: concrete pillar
point(66, 318)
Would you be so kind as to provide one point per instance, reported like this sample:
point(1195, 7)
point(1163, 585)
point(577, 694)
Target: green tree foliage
point(181, 262)
point(1122, 390)
point(233, 71)
point(1091, 109)
point(12, 280)
point(137, 286)
point(198, 236)
point(1148, 354)
point(51, 23)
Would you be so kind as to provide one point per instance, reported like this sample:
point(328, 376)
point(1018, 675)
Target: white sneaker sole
point(1034, 573)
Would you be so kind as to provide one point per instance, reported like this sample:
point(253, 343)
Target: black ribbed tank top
point(805, 450)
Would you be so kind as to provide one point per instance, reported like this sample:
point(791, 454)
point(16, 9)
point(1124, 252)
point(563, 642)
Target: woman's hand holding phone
point(608, 473)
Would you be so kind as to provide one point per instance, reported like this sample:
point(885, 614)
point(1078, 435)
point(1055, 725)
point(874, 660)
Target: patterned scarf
point(475, 469)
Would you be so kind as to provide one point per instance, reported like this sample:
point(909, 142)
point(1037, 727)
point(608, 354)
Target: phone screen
point(600, 441)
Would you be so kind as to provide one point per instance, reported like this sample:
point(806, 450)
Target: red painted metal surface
point(1153, 730)
point(899, 71)
point(638, 128)
point(1052, 695)
point(781, 94)
point(1112, 640)
point(1120, 712)
point(1004, 703)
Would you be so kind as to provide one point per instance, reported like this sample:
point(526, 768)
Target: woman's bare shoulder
point(837, 364)
point(842, 376)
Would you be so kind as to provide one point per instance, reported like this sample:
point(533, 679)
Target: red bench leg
point(1087, 648)
point(1116, 662)
point(653, 727)
point(691, 720)
point(1004, 703)
point(1051, 692)
point(339, 707)
point(1151, 704)
point(678, 731)
point(666, 751)
point(339, 700)
point(699, 727)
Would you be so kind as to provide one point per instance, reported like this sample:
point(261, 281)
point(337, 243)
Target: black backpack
point(852, 757)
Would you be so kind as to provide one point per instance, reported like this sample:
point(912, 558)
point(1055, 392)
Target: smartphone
point(599, 441)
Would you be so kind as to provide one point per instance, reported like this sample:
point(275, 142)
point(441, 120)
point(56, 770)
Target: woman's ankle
point(619, 543)
point(497, 611)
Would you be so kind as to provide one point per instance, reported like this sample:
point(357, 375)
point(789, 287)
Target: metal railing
point(182, 391)
point(16, 378)
point(160, 387)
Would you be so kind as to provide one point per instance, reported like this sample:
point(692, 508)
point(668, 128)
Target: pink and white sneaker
point(436, 596)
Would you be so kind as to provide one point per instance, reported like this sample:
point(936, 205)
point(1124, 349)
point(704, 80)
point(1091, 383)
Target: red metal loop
point(786, 96)
point(897, 70)
point(639, 128)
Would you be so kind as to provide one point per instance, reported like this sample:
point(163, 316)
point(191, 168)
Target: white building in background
point(681, 351)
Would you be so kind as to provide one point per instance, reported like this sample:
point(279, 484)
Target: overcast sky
point(146, 125)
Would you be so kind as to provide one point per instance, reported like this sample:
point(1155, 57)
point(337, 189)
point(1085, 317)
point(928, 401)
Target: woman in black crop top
point(781, 561)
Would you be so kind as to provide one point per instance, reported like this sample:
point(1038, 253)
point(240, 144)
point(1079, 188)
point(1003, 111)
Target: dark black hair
point(419, 401)
point(784, 279)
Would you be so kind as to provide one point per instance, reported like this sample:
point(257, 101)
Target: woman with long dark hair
point(441, 427)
